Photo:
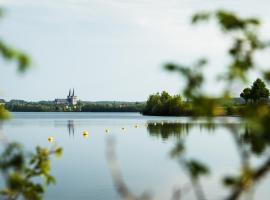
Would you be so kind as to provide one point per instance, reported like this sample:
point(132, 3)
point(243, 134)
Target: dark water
point(143, 153)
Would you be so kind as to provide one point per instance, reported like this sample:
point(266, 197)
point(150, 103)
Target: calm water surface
point(82, 173)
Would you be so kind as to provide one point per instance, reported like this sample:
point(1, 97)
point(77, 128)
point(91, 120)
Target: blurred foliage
point(194, 169)
point(245, 44)
point(120, 185)
point(248, 143)
point(254, 139)
point(21, 170)
point(4, 114)
point(193, 76)
point(21, 59)
point(11, 54)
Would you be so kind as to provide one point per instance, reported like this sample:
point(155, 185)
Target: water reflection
point(71, 127)
point(250, 142)
point(166, 130)
point(213, 156)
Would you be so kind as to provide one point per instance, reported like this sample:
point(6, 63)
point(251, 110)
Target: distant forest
point(159, 104)
point(50, 106)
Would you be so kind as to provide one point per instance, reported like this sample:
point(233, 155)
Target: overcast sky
point(111, 49)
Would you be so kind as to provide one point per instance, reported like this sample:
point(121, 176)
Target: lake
point(142, 149)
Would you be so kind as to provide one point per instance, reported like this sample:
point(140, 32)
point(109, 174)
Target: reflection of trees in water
point(257, 140)
point(249, 141)
point(166, 130)
point(177, 130)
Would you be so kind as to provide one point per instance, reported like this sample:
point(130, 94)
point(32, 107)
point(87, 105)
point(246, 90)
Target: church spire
point(69, 94)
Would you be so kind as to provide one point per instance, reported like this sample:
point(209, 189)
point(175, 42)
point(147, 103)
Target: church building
point(70, 100)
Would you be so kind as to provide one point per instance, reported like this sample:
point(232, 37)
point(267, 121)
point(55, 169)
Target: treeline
point(136, 107)
point(159, 104)
point(33, 107)
point(19, 106)
point(163, 104)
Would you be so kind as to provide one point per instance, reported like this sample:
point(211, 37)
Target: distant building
point(70, 100)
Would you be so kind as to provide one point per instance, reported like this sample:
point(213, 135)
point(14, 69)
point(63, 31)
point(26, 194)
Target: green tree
point(246, 94)
point(164, 105)
point(259, 91)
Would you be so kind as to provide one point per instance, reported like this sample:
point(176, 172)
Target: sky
point(112, 49)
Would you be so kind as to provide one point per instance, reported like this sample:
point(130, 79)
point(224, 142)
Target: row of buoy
point(85, 133)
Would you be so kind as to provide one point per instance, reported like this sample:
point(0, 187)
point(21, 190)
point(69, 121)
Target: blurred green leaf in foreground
point(21, 171)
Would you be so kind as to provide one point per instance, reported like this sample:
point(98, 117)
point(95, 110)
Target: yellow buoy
point(106, 130)
point(85, 134)
point(50, 139)
point(136, 126)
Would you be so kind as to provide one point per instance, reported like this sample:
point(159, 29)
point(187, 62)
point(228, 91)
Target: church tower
point(73, 99)
point(69, 94)
point(70, 100)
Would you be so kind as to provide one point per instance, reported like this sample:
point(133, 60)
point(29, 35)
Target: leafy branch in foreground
point(11, 54)
point(119, 183)
point(253, 140)
point(246, 43)
point(21, 59)
point(21, 171)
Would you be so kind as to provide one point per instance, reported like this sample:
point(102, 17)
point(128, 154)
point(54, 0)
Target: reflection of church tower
point(71, 128)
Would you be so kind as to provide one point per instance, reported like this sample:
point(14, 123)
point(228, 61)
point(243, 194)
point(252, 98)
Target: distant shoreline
point(81, 106)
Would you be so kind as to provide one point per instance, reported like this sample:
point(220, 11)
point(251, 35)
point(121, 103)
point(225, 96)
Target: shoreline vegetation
point(163, 104)
point(50, 106)
point(159, 104)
